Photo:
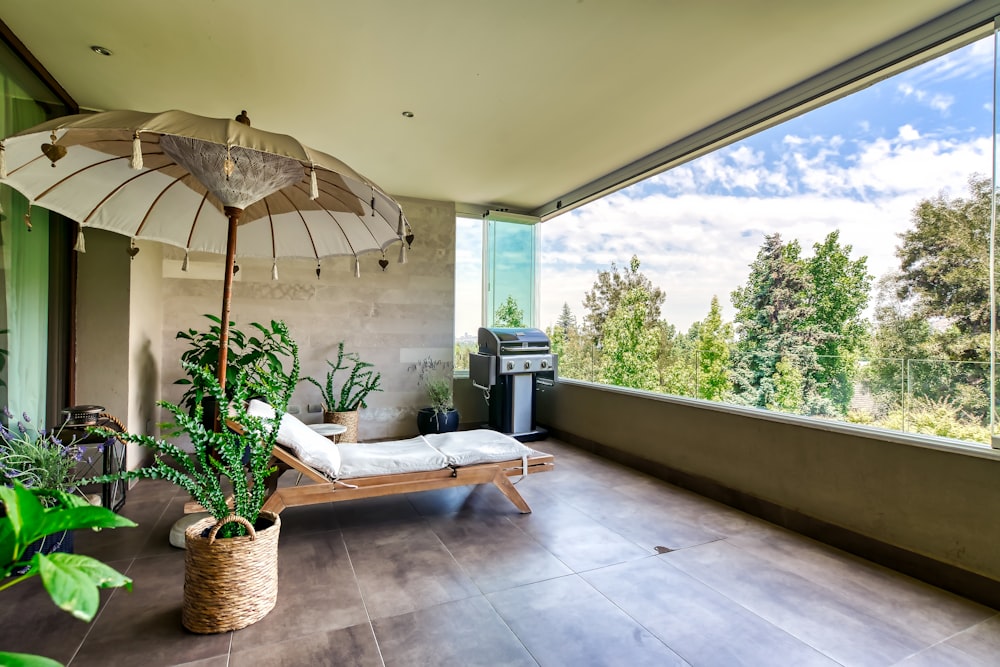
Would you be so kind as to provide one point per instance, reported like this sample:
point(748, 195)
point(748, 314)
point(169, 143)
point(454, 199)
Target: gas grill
point(507, 366)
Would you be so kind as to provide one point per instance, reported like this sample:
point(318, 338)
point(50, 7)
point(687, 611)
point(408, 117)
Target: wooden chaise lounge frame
point(327, 491)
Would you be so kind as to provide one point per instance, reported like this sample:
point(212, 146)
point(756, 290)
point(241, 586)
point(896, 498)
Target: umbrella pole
point(233, 214)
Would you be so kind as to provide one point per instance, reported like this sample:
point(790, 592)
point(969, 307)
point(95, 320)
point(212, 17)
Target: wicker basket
point(348, 419)
point(229, 583)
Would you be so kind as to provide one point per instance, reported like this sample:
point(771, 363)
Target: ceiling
point(514, 102)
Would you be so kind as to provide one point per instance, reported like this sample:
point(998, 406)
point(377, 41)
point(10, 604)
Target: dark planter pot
point(55, 543)
point(429, 421)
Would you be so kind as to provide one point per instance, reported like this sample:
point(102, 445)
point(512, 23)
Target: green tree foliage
point(676, 360)
point(628, 357)
point(788, 383)
point(714, 340)
point(509, 314)
point(944, 263)
point(566, 320)
point(775, 316)
point(577, 354)
point(608, 291)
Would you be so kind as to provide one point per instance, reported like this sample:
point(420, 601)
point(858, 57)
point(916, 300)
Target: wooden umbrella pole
point(233, 214)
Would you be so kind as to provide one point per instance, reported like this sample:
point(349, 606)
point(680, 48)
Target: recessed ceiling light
point(407, 114)
point(101, 50)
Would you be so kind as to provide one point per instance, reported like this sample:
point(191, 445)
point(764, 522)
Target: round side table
point(329, 431)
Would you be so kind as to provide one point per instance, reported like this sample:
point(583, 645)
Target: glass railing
point(928, 396)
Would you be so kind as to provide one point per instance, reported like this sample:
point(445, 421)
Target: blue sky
point(859, 165)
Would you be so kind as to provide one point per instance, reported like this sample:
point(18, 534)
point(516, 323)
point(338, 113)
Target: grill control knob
point(510, 365)
point(527, 365)
point(545, 364)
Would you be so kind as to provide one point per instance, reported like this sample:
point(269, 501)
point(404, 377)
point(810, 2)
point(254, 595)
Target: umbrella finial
point(136, 161)
point(243, 118)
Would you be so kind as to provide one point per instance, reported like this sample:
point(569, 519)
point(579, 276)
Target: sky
point(859, 165)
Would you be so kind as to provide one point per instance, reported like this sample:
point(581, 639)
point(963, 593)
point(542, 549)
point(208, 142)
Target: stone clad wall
point(390, 318)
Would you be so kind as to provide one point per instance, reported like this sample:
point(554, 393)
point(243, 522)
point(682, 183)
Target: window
point(834, 266)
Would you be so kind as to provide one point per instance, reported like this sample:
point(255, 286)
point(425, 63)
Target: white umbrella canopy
point(191, 181)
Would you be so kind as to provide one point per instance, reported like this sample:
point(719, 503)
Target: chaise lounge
point(348, 471)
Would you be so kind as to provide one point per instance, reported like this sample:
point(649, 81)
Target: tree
point(509, 314)
point(628, 357)
point(714, 337)
point(839, 296)
point(944, 263)
point(566, 320)
point(608, 291)
point(776, 321)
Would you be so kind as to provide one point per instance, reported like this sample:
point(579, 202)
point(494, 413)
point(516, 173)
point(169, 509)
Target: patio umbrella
point(203, 184)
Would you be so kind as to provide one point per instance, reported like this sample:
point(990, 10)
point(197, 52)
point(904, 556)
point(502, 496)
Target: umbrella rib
point(197, 216)
point(305, 224)
point(69, 176)
point(152, 204)
point(270, 222)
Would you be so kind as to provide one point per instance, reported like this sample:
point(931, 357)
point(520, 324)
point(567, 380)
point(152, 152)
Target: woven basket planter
point(347, 419)
point(229, 583)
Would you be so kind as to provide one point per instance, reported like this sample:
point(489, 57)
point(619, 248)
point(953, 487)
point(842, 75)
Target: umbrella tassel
point(373, 202)
point(357, 267)
point(3, 161)
point(136, 161)
point(402, 253)
point(274, 270)
point(81, 243)
point(184, 264)
point(313, 185)
point(399, 225)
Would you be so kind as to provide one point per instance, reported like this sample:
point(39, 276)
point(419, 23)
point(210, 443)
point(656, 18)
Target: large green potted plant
point(71, 580)
point(340, 406)
point(260, 355)
point(435, 378)
point(230, 578)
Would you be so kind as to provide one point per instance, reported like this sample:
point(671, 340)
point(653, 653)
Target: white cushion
point(313, 449)
point(466, 448)
point(387, 458)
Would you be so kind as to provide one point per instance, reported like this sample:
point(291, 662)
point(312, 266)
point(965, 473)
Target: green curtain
point(24, 271)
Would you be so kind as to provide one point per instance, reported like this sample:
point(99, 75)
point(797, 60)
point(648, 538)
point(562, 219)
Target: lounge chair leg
point(502, 482)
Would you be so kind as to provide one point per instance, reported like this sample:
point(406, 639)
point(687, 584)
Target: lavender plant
point(35, 457)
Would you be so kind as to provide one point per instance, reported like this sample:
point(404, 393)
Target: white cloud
point(908, 133)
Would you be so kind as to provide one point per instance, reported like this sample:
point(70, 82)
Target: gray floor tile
point(347, 647)
point(403, 567)
point(566, 622)
point(579, 541)
point(495, 553)
point(465, 633)
point(818, 616)
point(701, 625)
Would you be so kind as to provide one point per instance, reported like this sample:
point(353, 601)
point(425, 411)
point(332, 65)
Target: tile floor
point(612, 568)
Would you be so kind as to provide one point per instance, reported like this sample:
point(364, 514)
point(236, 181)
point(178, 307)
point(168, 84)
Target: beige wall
point(390, 318)
point(118, 324)
point(939, 504)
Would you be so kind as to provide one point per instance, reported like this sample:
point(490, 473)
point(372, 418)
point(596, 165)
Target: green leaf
point(72, 581)
point(26, 660)
point(23, 509)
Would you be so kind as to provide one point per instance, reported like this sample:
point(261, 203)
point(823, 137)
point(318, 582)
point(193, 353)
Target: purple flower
point(26, 417)
point(7, 413)
point(22, 428)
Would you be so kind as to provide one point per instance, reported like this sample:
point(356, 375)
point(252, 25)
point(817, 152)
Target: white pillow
point(314, 449)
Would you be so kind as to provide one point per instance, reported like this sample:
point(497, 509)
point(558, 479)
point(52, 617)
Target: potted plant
point(39, 460)
point(341, 406)
point(71, 580)
point(435, 378)
point(230, 574)
point(260, 356)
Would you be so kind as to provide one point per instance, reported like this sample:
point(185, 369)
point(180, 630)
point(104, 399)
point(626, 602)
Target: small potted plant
point(38, 459)
point(230, 574)
point(340, 406)
point(435, 378)
point(71, 580)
